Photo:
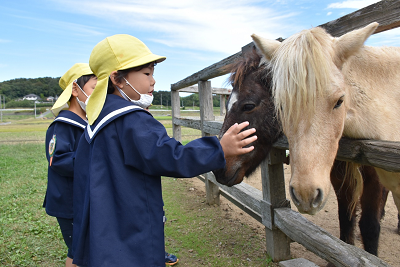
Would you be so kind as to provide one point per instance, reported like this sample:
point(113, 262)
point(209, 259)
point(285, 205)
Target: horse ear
point(348, 44)
point(265, 46)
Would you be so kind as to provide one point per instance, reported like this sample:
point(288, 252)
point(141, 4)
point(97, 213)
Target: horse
point(325, 88)
point(251, 100)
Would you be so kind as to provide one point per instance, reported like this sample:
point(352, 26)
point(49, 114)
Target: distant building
point(50, 99)
point(31, 97)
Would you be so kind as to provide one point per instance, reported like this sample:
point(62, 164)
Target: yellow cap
point(117, 52)
point(75, 72)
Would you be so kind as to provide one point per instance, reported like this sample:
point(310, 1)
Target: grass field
point(29, 237)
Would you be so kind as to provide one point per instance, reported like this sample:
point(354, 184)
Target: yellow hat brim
point(62, 100)
point(66, 81)
point(96, 100)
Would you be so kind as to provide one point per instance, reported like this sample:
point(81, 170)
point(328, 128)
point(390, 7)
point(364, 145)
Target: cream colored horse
point(326, 88)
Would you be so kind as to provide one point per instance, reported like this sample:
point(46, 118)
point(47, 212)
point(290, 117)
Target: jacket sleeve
point(64, 151)
point(147, 146)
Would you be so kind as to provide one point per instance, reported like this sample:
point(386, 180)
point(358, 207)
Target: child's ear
point(113, 76)
point(74, 89)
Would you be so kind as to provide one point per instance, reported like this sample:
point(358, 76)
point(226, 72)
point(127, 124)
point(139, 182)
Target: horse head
point(250, 100)
point(311, 101)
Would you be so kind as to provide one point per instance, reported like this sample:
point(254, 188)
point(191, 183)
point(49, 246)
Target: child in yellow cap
point(62, 138)
point(118, 206)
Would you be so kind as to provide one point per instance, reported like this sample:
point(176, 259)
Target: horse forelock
point(301, 71)
point(250, 62)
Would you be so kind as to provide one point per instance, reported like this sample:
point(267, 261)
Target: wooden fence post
point(273, 189)
point(176, 113)
point(222, 105)
point(207, 114)
point(206, 104)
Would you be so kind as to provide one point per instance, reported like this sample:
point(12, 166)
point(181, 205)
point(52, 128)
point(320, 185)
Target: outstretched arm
point(233, 142)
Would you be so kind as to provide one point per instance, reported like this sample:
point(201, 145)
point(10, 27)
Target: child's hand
point(233, 141)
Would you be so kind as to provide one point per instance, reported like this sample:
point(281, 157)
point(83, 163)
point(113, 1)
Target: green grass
point(28, 237)
point(198, 233)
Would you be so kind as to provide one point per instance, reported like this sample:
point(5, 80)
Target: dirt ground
point(327, 218)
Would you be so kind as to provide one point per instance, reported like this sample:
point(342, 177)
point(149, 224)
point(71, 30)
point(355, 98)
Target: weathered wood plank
point(322, 243)
point(274, 196)
point(215, 90)
point(246, 194)
point(191, 123)
point(386, 13)
point(222, 105)
point(211, 127)
point(176, 112)
point(238, 203)
point(207, 114)
point(215, 70)
point(206, 104)
point(381, 154)
point(299, 229)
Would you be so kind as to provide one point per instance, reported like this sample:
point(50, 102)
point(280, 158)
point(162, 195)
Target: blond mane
point(301, 71)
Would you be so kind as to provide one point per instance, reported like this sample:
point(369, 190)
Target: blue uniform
point(118, 214)
point(62, 139)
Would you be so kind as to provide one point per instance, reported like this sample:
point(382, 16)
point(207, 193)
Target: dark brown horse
point(251, 100)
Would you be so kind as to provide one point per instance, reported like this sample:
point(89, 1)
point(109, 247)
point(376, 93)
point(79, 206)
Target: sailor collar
point(71, 118)
point(113, 108)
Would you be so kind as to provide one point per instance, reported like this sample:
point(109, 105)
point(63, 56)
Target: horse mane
point(250, 62)
point(301, 72)
point(300, 68)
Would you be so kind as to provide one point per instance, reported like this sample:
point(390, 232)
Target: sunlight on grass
point(201, 234)
point(29, 237)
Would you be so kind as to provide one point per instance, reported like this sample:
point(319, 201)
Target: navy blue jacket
point(64, 132)
point(118, 214)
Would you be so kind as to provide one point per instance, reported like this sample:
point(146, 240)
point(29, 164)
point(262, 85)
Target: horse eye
point(338, 103)
point(248, 107)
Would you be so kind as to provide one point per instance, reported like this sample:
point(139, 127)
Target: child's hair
point(84, 79)
point(81, 81)
point(123, 73)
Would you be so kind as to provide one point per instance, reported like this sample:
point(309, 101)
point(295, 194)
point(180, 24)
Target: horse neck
point(372, 82)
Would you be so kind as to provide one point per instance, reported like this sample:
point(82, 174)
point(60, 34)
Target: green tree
point(18, 88)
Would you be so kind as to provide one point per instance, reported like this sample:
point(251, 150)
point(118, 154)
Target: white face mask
point(83, 104)
point(144, 101)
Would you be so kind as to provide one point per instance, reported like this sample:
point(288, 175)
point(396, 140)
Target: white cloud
point(4, 41)
point(386, 38)
point(354, 4)
point(220, 26)
point(58, 26)
point(329, 13)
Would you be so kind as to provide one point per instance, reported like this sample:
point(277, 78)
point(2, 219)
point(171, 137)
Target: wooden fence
point(270, 206)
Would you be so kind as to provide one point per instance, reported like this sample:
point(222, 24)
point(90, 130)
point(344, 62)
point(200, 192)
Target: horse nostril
point(293, 196)
point(318, 197)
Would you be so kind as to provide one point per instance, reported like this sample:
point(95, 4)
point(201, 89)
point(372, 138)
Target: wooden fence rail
point(270, 206)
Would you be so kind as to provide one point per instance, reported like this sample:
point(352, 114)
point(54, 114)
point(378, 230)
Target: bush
point(20, 104)
point(27, 104)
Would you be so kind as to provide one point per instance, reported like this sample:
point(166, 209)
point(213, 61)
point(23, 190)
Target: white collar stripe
point(108, 117)
point(70, 121)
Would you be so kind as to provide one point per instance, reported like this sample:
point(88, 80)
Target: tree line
point(47, 86)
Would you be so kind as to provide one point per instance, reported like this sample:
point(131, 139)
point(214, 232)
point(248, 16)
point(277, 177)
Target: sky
point(44, 38)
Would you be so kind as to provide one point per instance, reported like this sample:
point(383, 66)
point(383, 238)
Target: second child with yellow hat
point(62, 138)
point(118, 206)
